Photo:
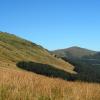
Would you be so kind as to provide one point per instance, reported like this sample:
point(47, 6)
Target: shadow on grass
point(86, 72)
point(45, 69)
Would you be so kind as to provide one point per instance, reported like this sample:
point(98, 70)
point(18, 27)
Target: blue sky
point(53, 24)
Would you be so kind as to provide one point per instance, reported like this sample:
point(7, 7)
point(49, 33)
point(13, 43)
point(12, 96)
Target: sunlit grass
point(14, 49)
point(19, 85)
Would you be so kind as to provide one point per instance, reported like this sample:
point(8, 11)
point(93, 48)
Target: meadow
point(30, 72)
point(22, 85)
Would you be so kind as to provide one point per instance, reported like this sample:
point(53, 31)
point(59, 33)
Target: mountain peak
point(74, 51)
point(77, 47)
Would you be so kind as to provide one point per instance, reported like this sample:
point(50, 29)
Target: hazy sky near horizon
point(53, 24)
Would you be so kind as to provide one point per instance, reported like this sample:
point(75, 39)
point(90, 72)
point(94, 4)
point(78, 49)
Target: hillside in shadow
point(45, 69)
point(84, 73)
point(87, 72)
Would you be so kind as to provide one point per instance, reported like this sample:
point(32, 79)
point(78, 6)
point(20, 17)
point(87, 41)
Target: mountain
point(18, 53)
point(75, 52)
point(30, 72)
point(86, 62)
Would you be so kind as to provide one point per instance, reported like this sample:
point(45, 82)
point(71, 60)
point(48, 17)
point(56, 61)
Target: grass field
point(13, 49)
point(20, 85)
point(30, 72)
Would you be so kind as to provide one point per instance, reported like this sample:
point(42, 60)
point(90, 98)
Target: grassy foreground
point(20, 85)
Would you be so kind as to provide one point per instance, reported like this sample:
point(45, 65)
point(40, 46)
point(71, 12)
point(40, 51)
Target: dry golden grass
point(14, 49)
point(20, 85)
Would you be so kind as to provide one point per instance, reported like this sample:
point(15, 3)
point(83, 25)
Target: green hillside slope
point(24, 67)
point(86, 62)
point(15, 51)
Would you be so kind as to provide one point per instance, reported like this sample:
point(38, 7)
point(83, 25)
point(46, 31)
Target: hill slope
point(15, 51)
point(86, 62)
point(19, 85)
point(17, 54)
point(76, 52)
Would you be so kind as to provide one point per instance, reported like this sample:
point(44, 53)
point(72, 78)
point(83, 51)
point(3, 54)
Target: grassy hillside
point(30, 72)
point(14, 49)
point(19, 85)
point(76, 52)
point(86, 62)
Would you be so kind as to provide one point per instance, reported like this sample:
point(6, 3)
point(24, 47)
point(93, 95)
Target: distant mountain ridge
point(74, 51)
point(86, 62)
